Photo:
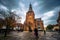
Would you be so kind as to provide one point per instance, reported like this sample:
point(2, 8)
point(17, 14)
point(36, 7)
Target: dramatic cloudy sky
point(46, 9)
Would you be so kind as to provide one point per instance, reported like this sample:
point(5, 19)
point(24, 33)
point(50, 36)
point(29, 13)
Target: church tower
point(29, 22)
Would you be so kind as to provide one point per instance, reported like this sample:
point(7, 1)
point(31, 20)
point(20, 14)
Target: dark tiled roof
point(38, 19)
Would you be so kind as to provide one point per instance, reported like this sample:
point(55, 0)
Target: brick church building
point(30, 21)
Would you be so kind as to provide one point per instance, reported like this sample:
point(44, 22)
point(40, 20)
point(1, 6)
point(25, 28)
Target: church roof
point(38, 19)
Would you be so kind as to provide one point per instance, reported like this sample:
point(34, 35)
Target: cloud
point(47, 22)
point(49, 5)
point(46, 17)
point(2, 7)
point(35, 4)
point(4, 11)
point(1, 16)
point(21, 12)
point(10, 4)
point(21, 4)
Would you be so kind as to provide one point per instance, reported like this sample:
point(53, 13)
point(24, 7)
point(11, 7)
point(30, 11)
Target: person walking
point(44, 32)
point(36, 32)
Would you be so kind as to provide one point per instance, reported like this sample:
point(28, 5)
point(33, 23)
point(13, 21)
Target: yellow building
point(30, 22)
point(56, 27)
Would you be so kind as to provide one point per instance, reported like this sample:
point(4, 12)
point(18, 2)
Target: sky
point(46, 9)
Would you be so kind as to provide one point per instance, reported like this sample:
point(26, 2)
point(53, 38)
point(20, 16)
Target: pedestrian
point(36, 32)
point(44, 32)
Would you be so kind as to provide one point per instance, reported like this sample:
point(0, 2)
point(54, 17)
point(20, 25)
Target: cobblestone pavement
point(30, 36)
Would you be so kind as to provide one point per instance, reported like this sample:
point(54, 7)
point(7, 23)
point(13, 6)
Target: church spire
point(30, 7)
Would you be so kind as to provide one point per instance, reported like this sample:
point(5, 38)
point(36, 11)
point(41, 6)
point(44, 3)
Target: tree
point(10, 23)
point(9, 20)
point(49, 27)
point(1, 22)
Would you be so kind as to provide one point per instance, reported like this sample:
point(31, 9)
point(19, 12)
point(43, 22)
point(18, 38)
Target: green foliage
point(49, 27)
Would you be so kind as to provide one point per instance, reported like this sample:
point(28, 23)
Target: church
point(30, 22)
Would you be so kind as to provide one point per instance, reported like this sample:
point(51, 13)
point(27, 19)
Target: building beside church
point(30, 22)
point(55, 27)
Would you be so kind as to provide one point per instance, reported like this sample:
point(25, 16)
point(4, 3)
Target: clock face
point(30, 16)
